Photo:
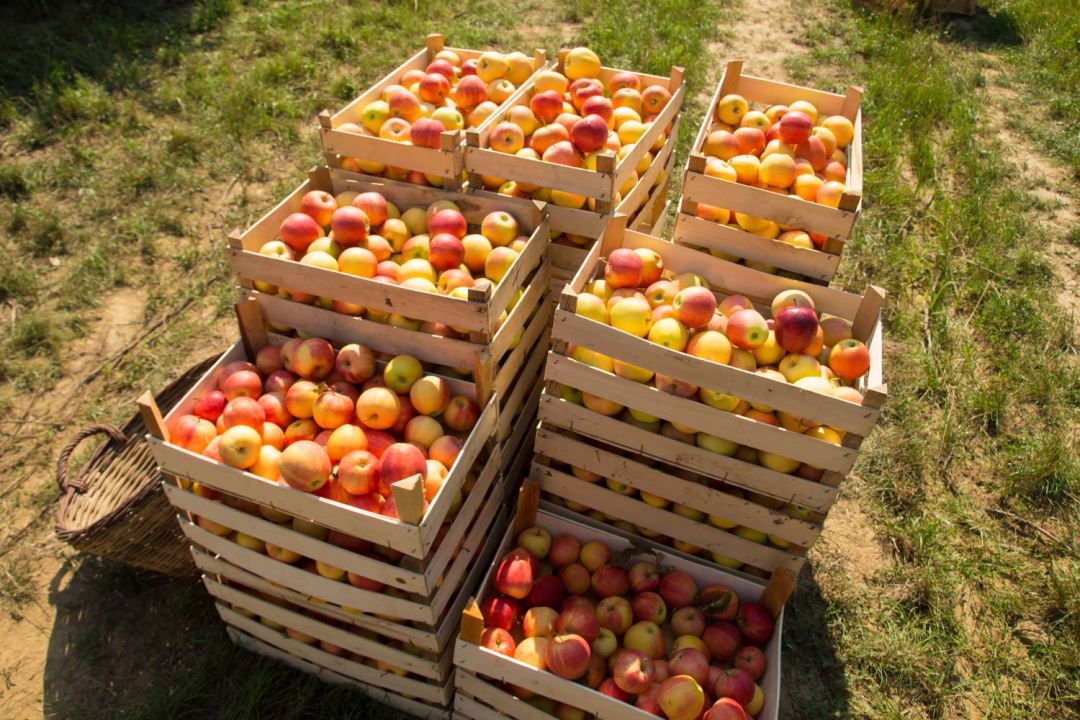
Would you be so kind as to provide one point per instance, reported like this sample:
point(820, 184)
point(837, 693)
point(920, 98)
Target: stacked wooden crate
point(355, 148)
point(728, 507)
point(830, 226)
point(575, 229)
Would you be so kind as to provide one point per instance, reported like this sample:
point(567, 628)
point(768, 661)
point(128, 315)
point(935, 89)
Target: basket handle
point(65, 454)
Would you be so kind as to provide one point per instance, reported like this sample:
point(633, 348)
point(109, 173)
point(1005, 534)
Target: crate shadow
point(813, 683)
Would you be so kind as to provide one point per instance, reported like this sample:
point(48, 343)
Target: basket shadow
point(813, 683)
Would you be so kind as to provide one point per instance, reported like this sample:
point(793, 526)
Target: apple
point(242, 411)
point(681, 698)
point(632, 671)
point(563, 152)
point(751, 659)
point(445, 450)
point(548, 591)
point(795, 328)
point(539, 622)
point(355, 363)
point(400, 461)
point(609, 581)
point(726, 709)
point(314, 359)
point(532, 651)
point(575, 578)
point(546, 105)
point(567, 655)
point(304, 465)
point(688, 621)
point(615, 614)
point(580, 621)
point(499, 640)
point(605, 643)
point(516, 574)
point(461, 414)
point(594, 554)
point(694, 306)
point(564, 550)
point(747, 329)
point(595, 673)
point(755, 622)
point(500, 612)
point(692, 662)
point(609, 688)
point(849, 359)
point(646, 637)
point(589, 134)
point(755, 705)
point(536, 540)
point(299, 230)
point(378, 408)
point(678, 589)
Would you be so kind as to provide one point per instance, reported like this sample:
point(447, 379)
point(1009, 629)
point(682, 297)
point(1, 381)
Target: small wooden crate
point(602, 184)
point(574, 435)
point(788, 210)
point(481, 673)
point(445, 161)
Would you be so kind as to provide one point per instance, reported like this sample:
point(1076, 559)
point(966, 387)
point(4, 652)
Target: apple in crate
point(516, 573)
point(567, 656)
point(681, 698)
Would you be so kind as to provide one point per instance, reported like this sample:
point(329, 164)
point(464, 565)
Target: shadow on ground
point(133, 644)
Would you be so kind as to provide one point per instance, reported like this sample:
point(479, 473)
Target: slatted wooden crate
point(574, 435)
point(481, 674)
point(445, 162)
point(601, 184)
point(787, 210)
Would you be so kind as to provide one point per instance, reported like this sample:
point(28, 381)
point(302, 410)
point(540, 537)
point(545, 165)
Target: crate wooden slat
point(479, 670)
point(479, 314)
point(445, 161)
point(601, 184)
point(787, 210)
point(294, 660)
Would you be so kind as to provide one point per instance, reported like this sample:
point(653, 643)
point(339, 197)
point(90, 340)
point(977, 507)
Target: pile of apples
point(796, 345)
point(645, 636)
point(450, 94)
point(329, 423)
point(784, 149)
point(570, 117)
point(431, 249)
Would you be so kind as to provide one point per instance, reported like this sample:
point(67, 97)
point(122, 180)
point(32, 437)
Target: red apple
point(358, 472)
point(319, 205)
point(349, 226)
point(751, 659)
point(694, 306)
point(279, 381)
point(688, 621)
point(461, 414)
point(547, 591)
point(469, 92)
point(624, 268)
point(692, 662)
point(678, 589)
point(589, 133)
point(304, 465)
point(499, 640)
point(450, 221)
point(575, 578)
point(516, 573)
point(722, 638)
point(425, 132)
point(299, 230)
point(546, 105)
point(579, 621)
point(795, 127)
point(755, 623)
point(747, 329)
point(718, 602)
point(736, 684)
point(608, 581)
point(632, 671)
point(726, 709)
point(850, 359)
point(609, 688)
point(649, 606)
point(243, 411)
point(795, 328)
point(643, 576)
point(211, 405)
point(565, 549)
point(568, 656)
point(500, 612)
point(434, 88)
point(615, 614)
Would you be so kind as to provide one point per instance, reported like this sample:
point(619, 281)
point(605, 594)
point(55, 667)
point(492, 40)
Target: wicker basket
point(115, 508)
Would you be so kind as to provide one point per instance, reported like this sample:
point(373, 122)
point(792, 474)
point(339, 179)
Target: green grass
point(136, 135)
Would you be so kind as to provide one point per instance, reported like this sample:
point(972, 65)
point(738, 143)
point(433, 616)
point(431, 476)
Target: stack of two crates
point(718, 512)
point(261, 544)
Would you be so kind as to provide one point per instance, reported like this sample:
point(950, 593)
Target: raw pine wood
point(151, 417)
point(754, 478)
point(409, 499)
point(405, 705)
point(470, 686)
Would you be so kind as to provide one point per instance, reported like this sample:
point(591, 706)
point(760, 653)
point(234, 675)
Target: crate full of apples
point(575, 620)
point(459, 276)
point(775, 176)
point(705, 401)
point(369, 468)
point(410, 125)
point(586, 138)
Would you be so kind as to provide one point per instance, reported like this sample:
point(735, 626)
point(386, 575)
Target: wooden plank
point(521, 312)
point(310, 626)
point(484, 161)
point(285, 537)
point(670, 487)
point(536, 335)
point(749, 386)
point(736, 428)
point(352, 112)
point(340, 593)
point(771, 92)
point(509, 704)
point(395, 631)
point(695, 231)
point(405, 705)
point(343, 666)
point(729, 470)
point(431, 161)
point(664, 522)
point(783, 209)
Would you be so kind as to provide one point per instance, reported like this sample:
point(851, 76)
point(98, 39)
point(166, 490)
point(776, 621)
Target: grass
point(135, 135)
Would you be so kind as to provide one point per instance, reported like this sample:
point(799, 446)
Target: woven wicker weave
point(114, 508)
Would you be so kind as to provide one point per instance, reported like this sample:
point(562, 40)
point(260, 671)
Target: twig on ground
point(1024, 521)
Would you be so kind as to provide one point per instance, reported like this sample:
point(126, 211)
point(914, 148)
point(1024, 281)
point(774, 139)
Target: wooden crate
point(478, 315)
point(574, 435)
point(445, 162)
point(480, 672)
point(788, 210)
point(602, 184)
point(413, 534)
